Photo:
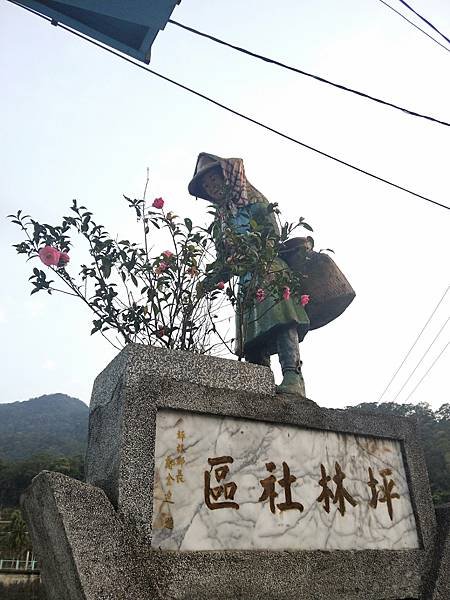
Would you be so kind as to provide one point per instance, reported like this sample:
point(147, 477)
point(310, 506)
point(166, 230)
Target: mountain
point(54, 424)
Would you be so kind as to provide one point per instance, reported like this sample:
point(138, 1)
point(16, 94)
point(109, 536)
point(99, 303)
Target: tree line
point(434, 430)
point(16, 476)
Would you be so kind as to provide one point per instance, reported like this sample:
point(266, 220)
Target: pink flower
point(49, 255)
point(220, 285)
point(167, 253)
point(161, 332)
point(304, 299)
point(286, 293)
point(260, 295)
point(161, 268)
point(158, 203)
point(63, 258)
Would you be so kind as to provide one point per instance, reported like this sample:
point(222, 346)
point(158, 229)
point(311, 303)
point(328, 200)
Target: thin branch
point(53, 289)
point(144, 207)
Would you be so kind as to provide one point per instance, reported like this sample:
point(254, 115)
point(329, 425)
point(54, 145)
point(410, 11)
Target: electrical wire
point(425, 20)
point(414, 25)
point(420, 360)
point(306, 73)
point(415, 342)
point(231, 110)
point(426, 373)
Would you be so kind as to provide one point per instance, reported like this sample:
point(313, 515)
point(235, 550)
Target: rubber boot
point(289, 357)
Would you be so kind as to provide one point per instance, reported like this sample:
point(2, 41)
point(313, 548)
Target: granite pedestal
point(202, 483)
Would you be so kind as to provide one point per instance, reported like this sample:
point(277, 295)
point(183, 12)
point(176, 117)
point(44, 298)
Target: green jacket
point(258, 327)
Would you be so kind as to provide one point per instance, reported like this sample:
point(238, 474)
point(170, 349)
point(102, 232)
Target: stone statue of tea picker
point(272, 326)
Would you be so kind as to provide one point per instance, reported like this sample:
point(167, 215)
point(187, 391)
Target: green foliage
point(54, 424)
point(248, 250)
point(18, 541)
point(135, 293)
point(32, 590)
point(16, 476)
point(168, 298)
point(434, 429)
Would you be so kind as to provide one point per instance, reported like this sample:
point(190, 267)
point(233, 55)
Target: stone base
point(86, 554)
point(94, 540)
point(439, 580)
point(81, 543)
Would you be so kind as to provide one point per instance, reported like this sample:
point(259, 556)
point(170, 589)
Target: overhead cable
point(425, 20)
point(414, 25)
point(415, 342)
point(429, 369)
point(306, 73)
point(235, 112)
point(421, 360)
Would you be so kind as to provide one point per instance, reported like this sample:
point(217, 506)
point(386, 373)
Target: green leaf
point(188, 224)
point(106, 268)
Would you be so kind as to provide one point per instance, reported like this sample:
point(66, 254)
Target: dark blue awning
point(130, 26)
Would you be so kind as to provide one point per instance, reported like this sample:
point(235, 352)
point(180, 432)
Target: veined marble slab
point(287, 488)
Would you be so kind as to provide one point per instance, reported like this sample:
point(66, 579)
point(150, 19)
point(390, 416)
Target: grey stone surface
point(288, 576)
point(208, 371)
point(142, 379)
point(148, 369)
point(87, 554)
point(125, 400)
point(438, 585)
point(82, 546)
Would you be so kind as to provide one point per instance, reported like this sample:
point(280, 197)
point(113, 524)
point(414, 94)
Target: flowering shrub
point(135, 293)
point(169, 298)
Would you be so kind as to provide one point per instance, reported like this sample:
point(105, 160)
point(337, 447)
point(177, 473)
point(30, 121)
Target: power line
point(234, 112)
point(425, 20)
point(306, 73)
point(414, 343)
point(420, 360)
point(429, 369)
point(414, 25)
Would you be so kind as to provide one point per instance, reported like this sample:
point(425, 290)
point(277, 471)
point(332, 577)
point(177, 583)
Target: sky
point(76, 122)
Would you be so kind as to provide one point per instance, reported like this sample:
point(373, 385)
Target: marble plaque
point(224, 483)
